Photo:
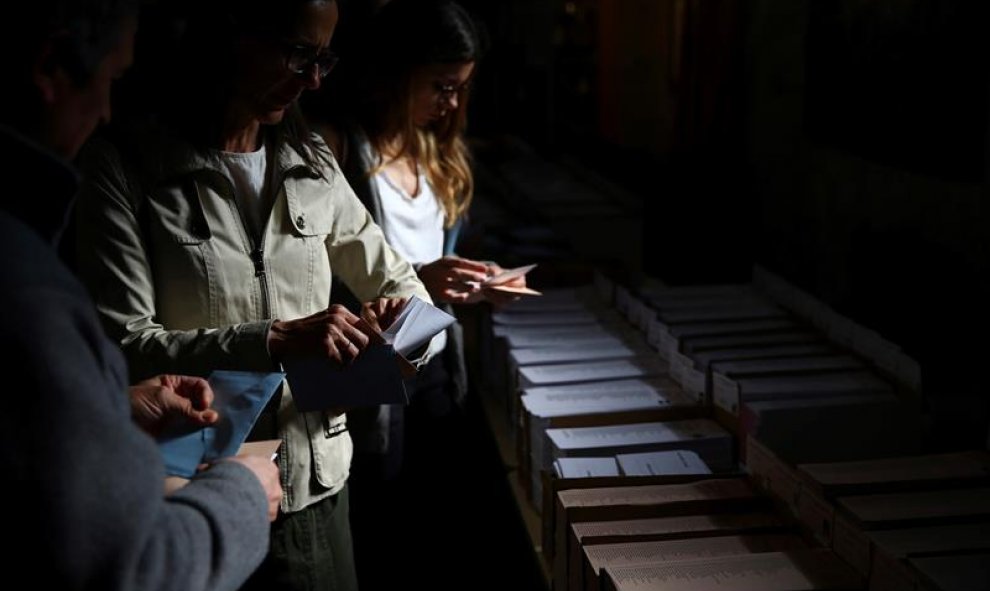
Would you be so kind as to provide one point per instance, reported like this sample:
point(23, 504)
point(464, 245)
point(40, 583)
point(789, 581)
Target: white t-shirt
point(247, 170)
point(413, 225)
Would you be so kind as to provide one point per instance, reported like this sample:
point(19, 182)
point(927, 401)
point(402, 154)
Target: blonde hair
point(439, 150)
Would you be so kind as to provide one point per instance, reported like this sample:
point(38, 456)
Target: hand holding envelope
point(375, 375)
point(239, 398)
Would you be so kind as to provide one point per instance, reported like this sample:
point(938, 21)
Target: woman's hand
point(453, 280)
point(157, 401)
point(501, 299)
point(333, 333)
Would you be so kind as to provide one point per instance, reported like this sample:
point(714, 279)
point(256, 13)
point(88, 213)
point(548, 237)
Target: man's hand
point(267, 473)
point(332, 333)
point(160, 400)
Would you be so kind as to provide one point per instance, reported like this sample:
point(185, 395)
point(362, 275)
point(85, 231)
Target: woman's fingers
point(353, 335)
point(454, 262)
point(466, 275)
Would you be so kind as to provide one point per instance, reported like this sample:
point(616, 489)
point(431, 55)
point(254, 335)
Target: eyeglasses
point(300, 59)
point(447, 91)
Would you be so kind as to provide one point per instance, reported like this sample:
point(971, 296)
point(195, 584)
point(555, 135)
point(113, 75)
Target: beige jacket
point(182, 285)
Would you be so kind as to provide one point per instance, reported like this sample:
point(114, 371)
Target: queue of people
point(219, 233)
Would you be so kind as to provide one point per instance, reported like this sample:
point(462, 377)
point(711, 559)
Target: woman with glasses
point(210, 242)
point(396, 121)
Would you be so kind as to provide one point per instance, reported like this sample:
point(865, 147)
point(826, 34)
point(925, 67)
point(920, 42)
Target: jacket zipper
point(256, 250)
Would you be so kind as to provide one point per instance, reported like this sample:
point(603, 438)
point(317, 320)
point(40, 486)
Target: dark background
point(840, 143)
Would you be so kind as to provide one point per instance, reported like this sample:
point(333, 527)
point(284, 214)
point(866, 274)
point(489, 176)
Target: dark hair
point(201, 84)
point(83, 31)
point(411, 33)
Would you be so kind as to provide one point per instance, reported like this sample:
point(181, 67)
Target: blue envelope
point(239, 398)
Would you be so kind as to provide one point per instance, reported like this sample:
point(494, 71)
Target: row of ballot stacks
point(739, 436)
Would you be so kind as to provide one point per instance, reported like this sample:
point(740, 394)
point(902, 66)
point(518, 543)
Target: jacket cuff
point(251, 345)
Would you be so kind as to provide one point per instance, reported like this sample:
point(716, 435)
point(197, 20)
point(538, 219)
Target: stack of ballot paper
point(807, 570)
point(819, 385)
point(705, 437)
point(856, 515)
point(590, 533)
point(658, 553)
point(662, 463)
point(705, 359)
point(696, 345)
point(376, 375)
point(679, 463)
point(571, 352)
point(583, 335)
point(544, 404)
point(625, 502)
point(892, 551)
point(585, 467)
point(238, 397)
point(726, 375)
point(595, 371)
point(668, 340)
point(946, 470)
point(600, 349)
point(511, 318)
point(681, 527)
point(872, 425)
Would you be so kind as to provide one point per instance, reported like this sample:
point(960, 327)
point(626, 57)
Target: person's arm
point(114, 264)
point(88, 482)
point(365, 262)
point(360, 255)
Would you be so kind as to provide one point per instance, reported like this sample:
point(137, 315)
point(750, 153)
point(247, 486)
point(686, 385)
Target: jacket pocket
point(331, 455)
point(309, 204)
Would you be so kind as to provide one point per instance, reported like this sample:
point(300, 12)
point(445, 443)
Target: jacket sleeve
point(85, 486)
point(362, 258)
point(113, 261)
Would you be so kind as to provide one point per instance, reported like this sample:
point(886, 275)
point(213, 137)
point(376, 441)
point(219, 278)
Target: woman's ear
point(45, 71)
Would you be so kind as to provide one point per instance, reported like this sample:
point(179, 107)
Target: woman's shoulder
point(333, 138)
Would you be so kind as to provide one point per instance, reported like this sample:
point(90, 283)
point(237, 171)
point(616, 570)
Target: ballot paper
point(376, 375)
point(705, 437)
point(595, 371)
point(662, 463)
point(239, 398)
point(266, 448)
point(585, 467)
point(499, 282)
point(508, 275)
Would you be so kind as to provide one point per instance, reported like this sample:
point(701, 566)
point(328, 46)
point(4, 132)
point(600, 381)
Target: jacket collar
point(53, 180)
point(169, 157)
